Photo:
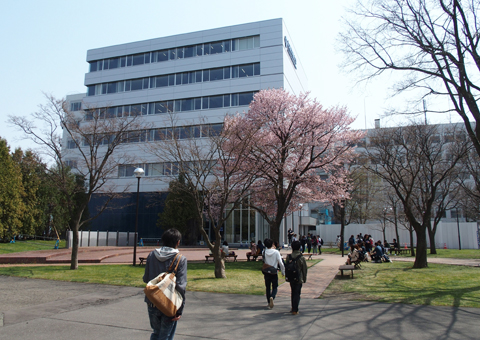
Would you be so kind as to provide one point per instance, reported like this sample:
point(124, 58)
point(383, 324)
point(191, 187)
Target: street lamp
point(139, 173)
point(458, 230)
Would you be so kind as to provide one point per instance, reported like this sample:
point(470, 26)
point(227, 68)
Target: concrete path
point(86, 311)
point(318, 277)
point(42, 309)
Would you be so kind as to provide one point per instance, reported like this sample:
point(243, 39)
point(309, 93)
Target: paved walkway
point(42, 309)
point(45, 310)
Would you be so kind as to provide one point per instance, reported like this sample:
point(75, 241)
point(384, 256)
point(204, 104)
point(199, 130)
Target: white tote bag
point(162, 293)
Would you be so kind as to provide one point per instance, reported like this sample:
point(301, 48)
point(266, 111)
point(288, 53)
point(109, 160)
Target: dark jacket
point(158, 262)
point(302, 265)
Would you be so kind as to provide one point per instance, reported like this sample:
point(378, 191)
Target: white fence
point(446, 235)
point(102, 238)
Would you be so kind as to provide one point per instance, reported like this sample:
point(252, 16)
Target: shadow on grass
point(440, 285)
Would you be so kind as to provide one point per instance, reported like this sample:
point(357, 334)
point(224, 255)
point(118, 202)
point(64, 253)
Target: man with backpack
point(296, 274)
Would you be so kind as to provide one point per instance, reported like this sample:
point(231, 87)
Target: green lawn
point(453, 254)
point(439, 285)
point(441, 253)
point(20, 246)
point(242, 277)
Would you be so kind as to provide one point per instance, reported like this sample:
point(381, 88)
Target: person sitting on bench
point(253, 251)
point(377, 253)
point(354, 256)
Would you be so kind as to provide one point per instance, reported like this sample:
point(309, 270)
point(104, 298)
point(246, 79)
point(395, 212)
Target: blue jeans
point(162, 325)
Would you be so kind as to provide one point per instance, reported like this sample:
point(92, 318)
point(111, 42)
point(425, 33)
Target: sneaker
point(271, 303)
point(294, 313)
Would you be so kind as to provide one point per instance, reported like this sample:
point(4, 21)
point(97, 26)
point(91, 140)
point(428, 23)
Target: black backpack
point(292, 272)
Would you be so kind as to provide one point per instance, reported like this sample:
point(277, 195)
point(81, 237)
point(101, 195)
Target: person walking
point(272, 258)
point(158, 261)
point(309, 242)
point(290, 235)
point(314, 245)
point(296, 287)
point(320, 244)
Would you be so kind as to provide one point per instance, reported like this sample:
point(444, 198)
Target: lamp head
point(139, 173)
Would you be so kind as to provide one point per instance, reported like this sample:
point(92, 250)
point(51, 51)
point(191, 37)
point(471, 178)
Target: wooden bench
point(142, 260)
point(399, 251)
point(231, 256)
point(254, 257)
point(212, 258)
point(346, 267)
point(308, 255)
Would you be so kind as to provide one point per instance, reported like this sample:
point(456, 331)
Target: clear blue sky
point(44, 45)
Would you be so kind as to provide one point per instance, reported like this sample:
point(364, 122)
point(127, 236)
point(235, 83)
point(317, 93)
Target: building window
point(210, 48)
point(178, 105)
point(75, 106)
point(175, 79)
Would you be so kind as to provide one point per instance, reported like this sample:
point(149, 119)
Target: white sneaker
point(271, 303)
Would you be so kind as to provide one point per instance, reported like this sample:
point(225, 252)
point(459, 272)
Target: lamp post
point(458, 230)
point(139, 173)
point(342, 224)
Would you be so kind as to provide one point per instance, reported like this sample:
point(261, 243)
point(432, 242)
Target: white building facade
point(201, 77)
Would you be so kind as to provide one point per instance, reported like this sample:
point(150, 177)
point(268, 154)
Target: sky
point(45, 43)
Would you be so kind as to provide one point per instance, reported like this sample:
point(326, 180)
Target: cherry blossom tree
point(297, 152)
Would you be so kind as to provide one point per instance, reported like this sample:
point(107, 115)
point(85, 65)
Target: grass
point(437, 285)
point(452, 253)
point(30, 245)
point(441, 253)
point(242, 277)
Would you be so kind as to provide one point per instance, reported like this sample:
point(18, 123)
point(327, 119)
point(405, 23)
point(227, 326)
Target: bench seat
point(346, 267)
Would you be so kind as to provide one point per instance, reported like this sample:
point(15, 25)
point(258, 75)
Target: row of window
point(159, 169)
point(445, 138)
point(157, 134)
point(168, 106)
point(182, 52)
point(183, 78)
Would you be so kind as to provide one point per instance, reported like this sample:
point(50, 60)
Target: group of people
point(308, 242)
point(363, 247)
point(159, 260)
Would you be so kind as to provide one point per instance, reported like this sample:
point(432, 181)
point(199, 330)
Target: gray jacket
point(158, 262)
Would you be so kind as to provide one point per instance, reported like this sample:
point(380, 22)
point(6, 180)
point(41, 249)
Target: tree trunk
point(421, 256)
point(396, 223)
point(219, 265)
point(412, 248)
point(74, 258)
point(274, 232)
point(76, 228)
point(431, 237)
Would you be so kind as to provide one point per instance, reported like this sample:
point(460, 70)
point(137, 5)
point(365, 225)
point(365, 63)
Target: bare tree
point(433, 43)
point(418, 162)
point(211, 174)
point(95, 147)
point(363, 202)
